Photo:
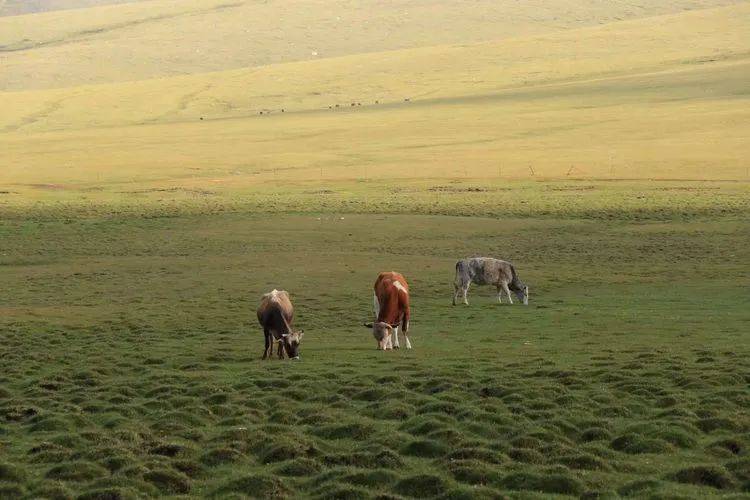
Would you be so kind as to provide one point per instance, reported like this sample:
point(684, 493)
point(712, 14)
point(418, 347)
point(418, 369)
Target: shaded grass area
point(130, 359)
point(453, 196)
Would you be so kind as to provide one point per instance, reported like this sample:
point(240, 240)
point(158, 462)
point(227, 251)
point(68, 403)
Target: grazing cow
point(489, 271)
point(276, 315)
point(391, 304)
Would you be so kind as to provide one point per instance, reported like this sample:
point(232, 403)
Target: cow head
point(291, 343)
point(382, 332)
point(523, 294)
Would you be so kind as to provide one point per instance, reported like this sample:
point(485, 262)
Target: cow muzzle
point(295, 358)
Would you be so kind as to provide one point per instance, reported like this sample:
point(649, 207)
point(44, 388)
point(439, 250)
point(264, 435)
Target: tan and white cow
point(276, 315)
point(391, 305)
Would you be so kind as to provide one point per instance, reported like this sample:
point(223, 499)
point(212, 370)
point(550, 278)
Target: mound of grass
point(281, 449)
point(470, 493)
point(708, 475)
point(677, 437)
point(12, 490)
point(527, 442)
point(76, 471)
point(635, 444)
point(343, 492)
point(426, 448)
point(727, 447)
point(11, 473)
point(172, 450)
point(712, 424)
point(49, 424)
point(595, 434)
point(476, 453)
point(740, 468)
point(352, 430)
point(423, 424)
point(219, 456)
point(373, 394)
point(552, 483)
point(383, 457)
point(526, 456)
point(190, 468)
point(474, 472)
point(583, 461)
point(371, 479)
point(53, 490)
point(168, 481)
point(393, 410)
point(255, 486)
point(299, 467)
point(422, 486)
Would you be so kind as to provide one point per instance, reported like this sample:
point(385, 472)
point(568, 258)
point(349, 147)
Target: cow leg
point(406, 338)
point(395, 338)
point(280, 348)
point(500, 294)
point(466, 291)
point(388, 342)
point(268, 345)
point(455, 293)
point(507, 292)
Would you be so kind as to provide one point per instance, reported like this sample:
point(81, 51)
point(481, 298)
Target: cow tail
point(457, 280)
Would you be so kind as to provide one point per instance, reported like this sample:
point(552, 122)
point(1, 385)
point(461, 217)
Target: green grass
point(130, 361)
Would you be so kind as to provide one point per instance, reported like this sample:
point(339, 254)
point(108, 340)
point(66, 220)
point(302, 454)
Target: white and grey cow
point(489, 271)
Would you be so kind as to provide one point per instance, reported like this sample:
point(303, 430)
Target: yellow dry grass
point(658, 98)
point(140, 40)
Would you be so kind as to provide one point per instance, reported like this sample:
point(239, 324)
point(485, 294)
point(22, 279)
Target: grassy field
point(626, 100)
point(163, 163)
point(131, 358)
point(158, 38)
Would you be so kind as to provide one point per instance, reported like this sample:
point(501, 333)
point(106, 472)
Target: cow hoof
point(397, 347)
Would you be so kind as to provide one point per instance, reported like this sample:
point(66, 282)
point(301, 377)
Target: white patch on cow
point(401, 287)
point(395, 338)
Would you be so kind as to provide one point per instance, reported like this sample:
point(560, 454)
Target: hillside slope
point(627, 100)
point(20, 7)
point(134, 41)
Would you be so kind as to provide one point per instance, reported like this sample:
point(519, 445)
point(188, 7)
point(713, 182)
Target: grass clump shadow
point(422, 486)
point(255, 486)
point(168, 481)
point(549, 483)
point(425, 448)
point(299, 467)
point(76, 471)
point(703, 475)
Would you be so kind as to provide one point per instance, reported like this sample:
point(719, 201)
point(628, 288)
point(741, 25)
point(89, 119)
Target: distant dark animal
point(276, 316)
point(489, 271)
point(391, 307)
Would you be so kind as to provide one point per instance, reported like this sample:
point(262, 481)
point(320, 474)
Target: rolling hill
point(135, 41)
point(663, 97)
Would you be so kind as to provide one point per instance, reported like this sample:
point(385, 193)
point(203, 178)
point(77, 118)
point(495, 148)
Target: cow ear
point(301, 333)
point(284, 335)
point(367, 325)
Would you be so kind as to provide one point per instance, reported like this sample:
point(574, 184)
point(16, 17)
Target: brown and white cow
point(276, 315)
point(391, 304)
